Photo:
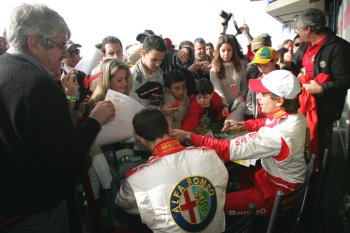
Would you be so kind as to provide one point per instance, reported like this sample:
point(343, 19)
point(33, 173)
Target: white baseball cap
point(280, 82)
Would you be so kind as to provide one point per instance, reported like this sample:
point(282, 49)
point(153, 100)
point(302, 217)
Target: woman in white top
point(228, 77)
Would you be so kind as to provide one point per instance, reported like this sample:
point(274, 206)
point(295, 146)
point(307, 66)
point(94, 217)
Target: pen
point(236, 124)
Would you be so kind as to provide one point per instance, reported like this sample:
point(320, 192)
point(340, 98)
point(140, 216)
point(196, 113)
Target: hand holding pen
point(232, 125)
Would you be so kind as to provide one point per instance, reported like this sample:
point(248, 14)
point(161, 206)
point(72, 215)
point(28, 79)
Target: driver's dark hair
point(150, 123)
point(289, 105)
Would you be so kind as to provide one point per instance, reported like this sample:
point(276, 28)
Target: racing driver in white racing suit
point(278, 140)
point(179, 189)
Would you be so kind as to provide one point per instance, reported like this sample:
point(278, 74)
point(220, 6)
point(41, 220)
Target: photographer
point(202, 61)
point(182, 59)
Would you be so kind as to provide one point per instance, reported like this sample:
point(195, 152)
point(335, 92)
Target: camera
point(226, 16)
point(200, 62)
point(189, 62)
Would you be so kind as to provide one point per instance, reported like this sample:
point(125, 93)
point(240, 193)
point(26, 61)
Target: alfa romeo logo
point(193, 203)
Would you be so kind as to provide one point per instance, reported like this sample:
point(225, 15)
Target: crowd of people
point(285, 100)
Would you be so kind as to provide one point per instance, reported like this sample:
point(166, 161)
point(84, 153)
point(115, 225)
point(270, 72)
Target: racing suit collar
point(280, 113)
point(166, 147)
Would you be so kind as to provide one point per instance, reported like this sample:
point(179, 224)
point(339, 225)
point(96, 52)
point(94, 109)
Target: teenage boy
point(175, 95)
point(278, 140)
point(147, 87)
point(205, 108)
point(174, 191)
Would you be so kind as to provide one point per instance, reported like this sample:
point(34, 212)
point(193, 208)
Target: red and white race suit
point(279, 141)
point(179, 189)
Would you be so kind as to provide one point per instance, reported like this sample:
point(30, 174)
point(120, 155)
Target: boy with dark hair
point(173, 186)
point(147, 87)
point(205, 107)
point(175, 95)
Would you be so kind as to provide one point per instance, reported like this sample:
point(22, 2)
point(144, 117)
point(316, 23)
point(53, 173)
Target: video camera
point(226, 16)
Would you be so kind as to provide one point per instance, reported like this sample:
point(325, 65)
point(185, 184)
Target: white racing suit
point(179, 189)
point(279, 141)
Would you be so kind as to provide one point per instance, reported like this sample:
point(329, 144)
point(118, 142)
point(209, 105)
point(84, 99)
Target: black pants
point(53, 221)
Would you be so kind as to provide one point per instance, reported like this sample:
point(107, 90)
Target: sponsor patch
point(193, 203)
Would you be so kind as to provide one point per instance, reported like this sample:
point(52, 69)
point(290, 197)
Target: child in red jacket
point(205, 107)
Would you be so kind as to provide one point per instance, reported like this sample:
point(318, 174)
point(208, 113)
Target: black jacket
point(333, 59)
point(40, 150)
point(171, 62)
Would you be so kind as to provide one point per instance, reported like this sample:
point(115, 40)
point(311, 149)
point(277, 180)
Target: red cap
point(168, 42)
point(257, 86)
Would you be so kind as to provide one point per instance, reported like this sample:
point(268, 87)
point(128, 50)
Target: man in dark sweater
point(322, 66)
point(40, 149)
point(324, 72)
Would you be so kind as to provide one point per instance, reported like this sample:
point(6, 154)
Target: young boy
point(205, 107)
point(175, 96)
point(265, 59)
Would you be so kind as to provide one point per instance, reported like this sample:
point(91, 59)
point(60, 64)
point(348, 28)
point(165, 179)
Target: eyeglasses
point(296, 44)
point(59, 45)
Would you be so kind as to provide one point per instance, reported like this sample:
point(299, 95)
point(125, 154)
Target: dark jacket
point(333, 59)
point(40, 150)
point(171, 62)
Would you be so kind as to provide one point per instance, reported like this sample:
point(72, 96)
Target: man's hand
point(288, 56)
point(103, 111)
point(225, 111)
point(195, 66)
point(313, 88)
point(232, 125)
point(179, 134)
point(246, 32)
point(183, 55)
point(224, 26)
point(167, 109)
point(70, 84)
point(240, 98)
point(205, 66)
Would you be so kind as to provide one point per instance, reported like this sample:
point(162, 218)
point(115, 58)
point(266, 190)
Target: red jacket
point(195, 112)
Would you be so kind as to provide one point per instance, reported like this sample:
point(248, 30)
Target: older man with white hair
point(40, 149)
